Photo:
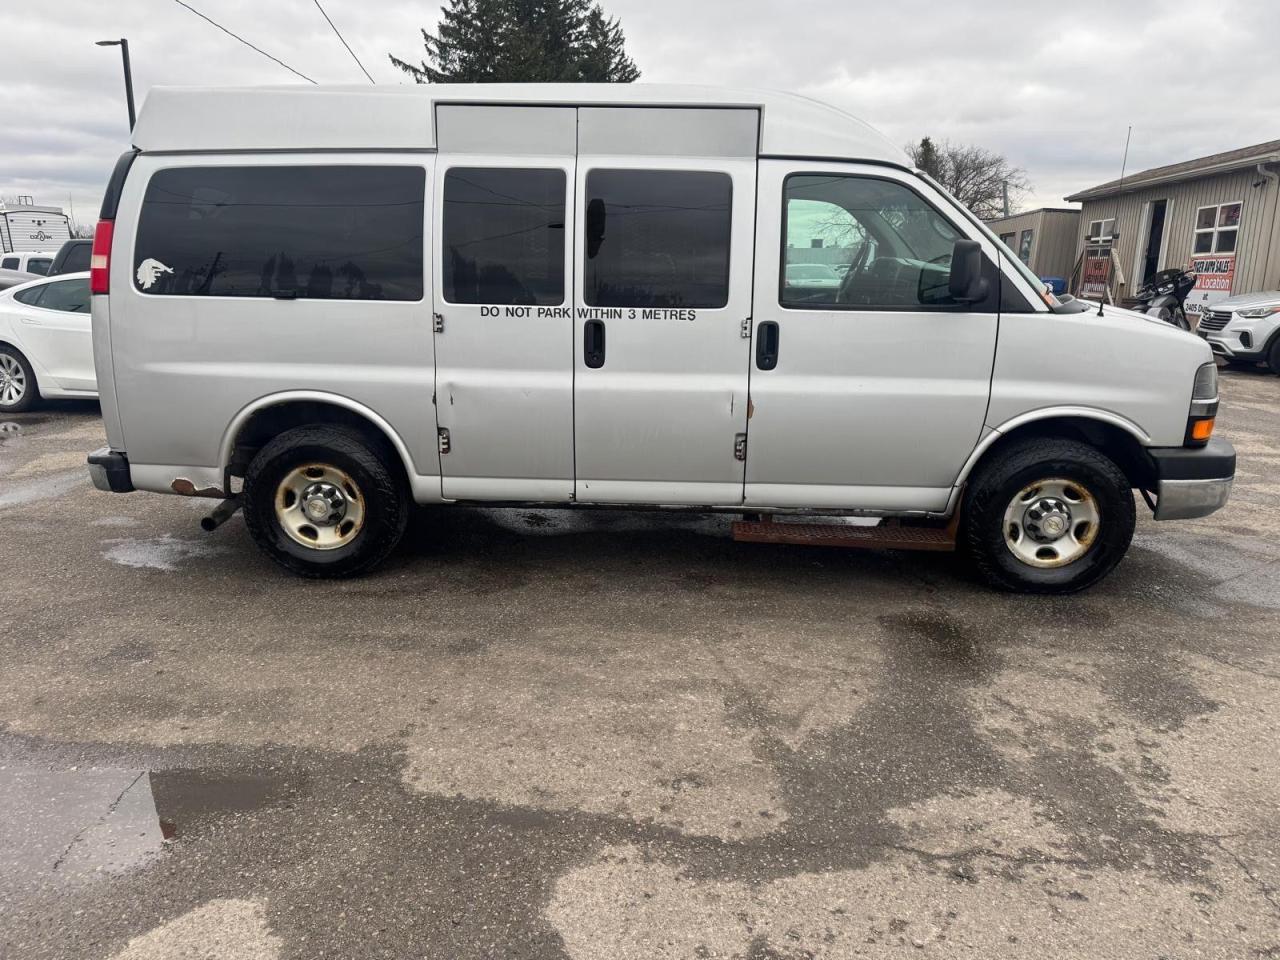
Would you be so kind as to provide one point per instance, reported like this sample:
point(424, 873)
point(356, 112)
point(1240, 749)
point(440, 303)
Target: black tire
point(1273, 355)
point(378, 480)
point(30, 389)
point(1016, 467)
point(1241, 364)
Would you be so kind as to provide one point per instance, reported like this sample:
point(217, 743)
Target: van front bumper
point(1193, 482)
point(109, 470)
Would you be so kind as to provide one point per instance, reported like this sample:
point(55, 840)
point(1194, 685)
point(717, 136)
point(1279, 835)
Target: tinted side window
point(657, 238)
point(324, 232)
point(77, 259)
point(863, 243)
point(69, 295)
point(9, 263)
point(503, 237)
point(30, 296)
point(38, 265)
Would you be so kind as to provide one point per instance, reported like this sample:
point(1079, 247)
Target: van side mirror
point(595, 227)
point(967, 284)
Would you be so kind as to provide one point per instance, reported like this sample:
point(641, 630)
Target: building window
point(1024, 246)
point(657, 238)
point(503, 236)
point(1217, 228)
point(1009, 239)
point(1101, 232)
point(317, 232)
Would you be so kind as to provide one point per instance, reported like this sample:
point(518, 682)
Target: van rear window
point(320, 232)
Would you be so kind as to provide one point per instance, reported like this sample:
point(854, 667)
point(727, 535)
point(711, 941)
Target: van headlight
point(1204, 406)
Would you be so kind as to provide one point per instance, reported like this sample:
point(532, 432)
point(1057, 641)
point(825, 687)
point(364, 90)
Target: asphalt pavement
point(623, 735)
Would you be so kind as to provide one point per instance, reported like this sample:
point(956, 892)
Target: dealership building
point(1218, 214)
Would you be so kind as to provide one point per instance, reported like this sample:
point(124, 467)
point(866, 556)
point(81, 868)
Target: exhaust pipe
point(221, 514)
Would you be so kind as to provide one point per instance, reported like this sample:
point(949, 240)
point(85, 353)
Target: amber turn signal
point(1202, 430)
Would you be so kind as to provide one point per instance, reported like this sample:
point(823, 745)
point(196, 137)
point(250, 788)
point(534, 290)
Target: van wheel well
point(269, 422)
point(1118, 444)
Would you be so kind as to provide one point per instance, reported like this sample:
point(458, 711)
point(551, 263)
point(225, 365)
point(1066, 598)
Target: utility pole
point(1004, 192)
point(123, 44)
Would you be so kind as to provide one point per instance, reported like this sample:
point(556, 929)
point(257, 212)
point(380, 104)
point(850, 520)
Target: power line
point(243, 40)
point(344, 40)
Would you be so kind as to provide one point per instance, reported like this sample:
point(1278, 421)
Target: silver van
point(325, 303)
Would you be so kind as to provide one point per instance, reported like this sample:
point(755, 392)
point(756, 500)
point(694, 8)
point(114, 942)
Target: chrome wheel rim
point(1051, 523)
point(13, 381)
point(319, 506)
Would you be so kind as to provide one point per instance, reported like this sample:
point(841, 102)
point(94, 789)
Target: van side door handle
point(767, 345)
point(593, 344)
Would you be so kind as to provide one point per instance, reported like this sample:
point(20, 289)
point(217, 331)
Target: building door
point(504, 302)
point(666, 202)
point(869, 387)
point(1155, 239)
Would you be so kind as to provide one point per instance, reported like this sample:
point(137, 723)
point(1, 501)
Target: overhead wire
point(236, 36)
point(343, 39)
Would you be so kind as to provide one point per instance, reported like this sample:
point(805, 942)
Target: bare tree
point(975, 176)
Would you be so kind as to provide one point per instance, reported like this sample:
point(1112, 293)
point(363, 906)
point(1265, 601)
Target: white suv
point(1245, 330)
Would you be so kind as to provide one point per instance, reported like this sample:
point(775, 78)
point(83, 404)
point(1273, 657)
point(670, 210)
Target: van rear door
point(666, 201)
point(503, 301)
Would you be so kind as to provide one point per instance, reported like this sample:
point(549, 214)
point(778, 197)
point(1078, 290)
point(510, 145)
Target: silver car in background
point(1245, 330)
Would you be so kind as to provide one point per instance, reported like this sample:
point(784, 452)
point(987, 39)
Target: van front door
point(666, 230)
point(503, 302)
point(869, 384)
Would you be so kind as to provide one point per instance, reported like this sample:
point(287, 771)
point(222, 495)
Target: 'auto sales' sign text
point(1214, 276)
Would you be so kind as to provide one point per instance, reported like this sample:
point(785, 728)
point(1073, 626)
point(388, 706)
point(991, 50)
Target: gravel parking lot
point(600, 735)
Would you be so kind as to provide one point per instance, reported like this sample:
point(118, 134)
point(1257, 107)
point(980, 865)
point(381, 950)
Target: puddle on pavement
point(77, 824)
point(82, 823)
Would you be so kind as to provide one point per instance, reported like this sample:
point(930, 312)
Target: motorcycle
point(1164, 295)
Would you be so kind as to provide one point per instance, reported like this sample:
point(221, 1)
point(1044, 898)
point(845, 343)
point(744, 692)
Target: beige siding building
point(1217, 214)
point(1044, 239)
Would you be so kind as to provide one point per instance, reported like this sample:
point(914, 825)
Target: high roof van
point(326, 303)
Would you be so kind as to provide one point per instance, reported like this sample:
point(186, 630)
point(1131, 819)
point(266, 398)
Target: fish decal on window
point(149, 271)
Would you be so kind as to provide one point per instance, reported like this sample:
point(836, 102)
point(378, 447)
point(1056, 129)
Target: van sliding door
point(504, 302)
point(666, 201)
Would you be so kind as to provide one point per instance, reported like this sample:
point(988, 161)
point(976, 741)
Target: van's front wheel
point(322, 502)
point(1047, 515)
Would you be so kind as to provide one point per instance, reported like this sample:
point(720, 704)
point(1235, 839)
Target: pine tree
point(523, 41)
point(927, 159)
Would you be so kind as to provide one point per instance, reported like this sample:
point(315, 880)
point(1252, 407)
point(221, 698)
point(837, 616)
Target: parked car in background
point(1245, 330)
point(12, 278)
point(46, 342)
point(72, 257)
point(812, 276)
point(34, 263)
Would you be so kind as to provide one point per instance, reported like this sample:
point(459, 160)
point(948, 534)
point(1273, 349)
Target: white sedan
point(46, 342)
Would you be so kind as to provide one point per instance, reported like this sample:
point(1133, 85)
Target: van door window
point(863, 243)
point(323, 232)
point(657, 238)
point(503, 235)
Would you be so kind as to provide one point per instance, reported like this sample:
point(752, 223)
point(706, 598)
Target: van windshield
point(1037, 284)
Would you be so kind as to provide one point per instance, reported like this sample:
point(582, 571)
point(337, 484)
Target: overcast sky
point(1052, 84)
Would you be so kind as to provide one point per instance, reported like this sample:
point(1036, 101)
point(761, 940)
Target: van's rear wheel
point(322, 502)
point(1047, 515)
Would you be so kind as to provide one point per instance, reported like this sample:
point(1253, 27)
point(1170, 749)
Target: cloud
point(1048, 84)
